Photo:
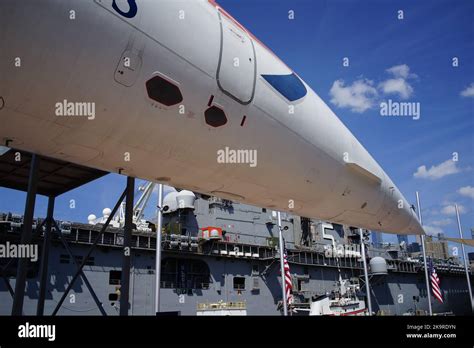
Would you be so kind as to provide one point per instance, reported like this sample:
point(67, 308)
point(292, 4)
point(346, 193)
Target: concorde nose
point(398, 216)
point(410, 219)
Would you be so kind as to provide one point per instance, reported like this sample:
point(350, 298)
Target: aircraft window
point(163, 91)
point(289, 86)
point(215, 116)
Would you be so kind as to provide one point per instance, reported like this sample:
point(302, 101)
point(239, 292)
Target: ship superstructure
point(222, 258)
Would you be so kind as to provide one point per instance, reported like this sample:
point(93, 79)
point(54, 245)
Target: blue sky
point(405, 60)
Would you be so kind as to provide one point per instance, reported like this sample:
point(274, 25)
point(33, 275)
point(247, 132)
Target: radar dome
point(171, 202)
point(185, 199)
point(106, 212)
point(91, 218)
point(378, 266)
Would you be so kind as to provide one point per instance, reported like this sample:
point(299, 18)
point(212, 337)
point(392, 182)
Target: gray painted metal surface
point(242, 267)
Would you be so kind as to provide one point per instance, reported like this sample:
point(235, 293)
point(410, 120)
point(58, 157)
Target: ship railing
point(85, 233)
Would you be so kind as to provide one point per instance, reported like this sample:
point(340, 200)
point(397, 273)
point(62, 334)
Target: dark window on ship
point(113, 296)
point(163, 91)
point(114, 277)
point(300, 285)
point(264, 210)
point(239, 283)
point(184, 274)
point(64, 258)
point(108, 238)
point(256, 284)
point(289, 86)
point(89, 262)
point(215, 116)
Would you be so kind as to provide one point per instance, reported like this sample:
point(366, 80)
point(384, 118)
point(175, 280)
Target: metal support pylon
point(45, 256)
point(91, 249)
point(20, 284)
point(127, 245)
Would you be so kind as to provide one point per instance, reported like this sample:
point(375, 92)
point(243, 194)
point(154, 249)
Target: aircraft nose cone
point(402, 218)
point(412, 224)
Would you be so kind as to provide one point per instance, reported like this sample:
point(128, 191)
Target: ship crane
point(139, 208)
point(118, 220)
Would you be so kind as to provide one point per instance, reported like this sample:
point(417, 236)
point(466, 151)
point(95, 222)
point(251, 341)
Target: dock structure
point(40, 175)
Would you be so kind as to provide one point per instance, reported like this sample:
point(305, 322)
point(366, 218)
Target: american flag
point(288, 283)
point(435, 283)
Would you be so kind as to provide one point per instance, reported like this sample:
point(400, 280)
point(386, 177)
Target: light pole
point(427, 281)
point(159, 225)
point(366, 274)
point(282, 266)
point(466, 266)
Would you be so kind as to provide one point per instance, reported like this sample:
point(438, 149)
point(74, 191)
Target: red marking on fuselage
point(210, 100)
point(243, 121)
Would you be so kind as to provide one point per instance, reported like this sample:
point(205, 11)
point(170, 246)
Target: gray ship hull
point(391, 294)
point(241, 266)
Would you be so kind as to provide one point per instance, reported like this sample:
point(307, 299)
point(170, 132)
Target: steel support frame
point(20, 284)
point(45, 256)
point(89, 252)
point(83, 276)
point(127, 251)
point(4, 268)
point(26, 236)
point(5, 279)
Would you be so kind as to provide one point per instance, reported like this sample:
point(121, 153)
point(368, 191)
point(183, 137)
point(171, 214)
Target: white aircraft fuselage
point(169, 91)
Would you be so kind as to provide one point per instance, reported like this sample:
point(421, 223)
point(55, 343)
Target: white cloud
point(358, 97)
point(432, 230)
point(448, 167)
point(401, 70)
point(362, 94)
point(398, 84)
point(442, 222)
point(467, 191)
point(469, 91)
point(450, 210)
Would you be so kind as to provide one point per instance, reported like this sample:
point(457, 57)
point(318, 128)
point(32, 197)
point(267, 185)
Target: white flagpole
point(366, 274)
point(427, 278)
point(465, 259)
point(282, 267)
point(159, 225)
